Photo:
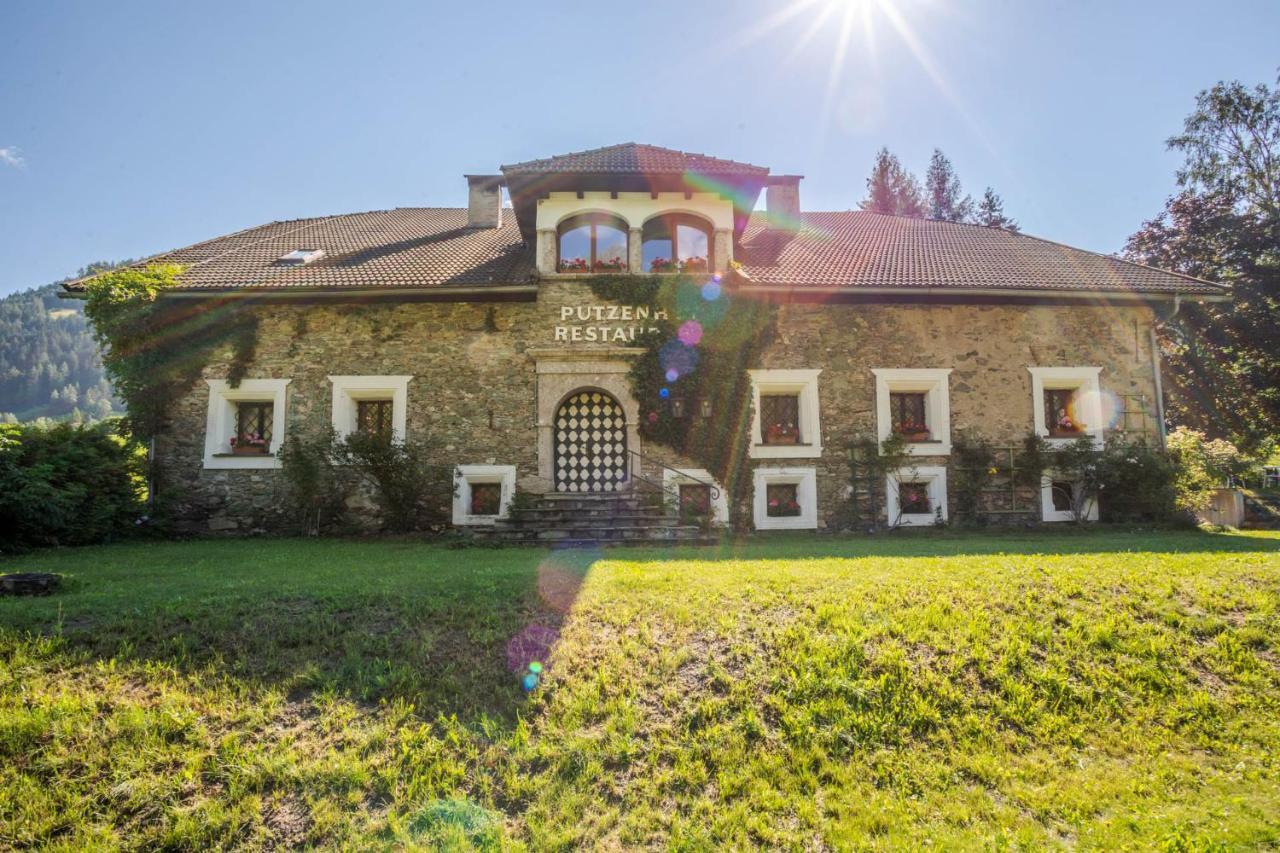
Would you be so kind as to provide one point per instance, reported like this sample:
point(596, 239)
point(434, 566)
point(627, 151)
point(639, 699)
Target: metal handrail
point(715, 490)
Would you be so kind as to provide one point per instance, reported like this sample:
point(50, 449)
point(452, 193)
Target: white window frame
point(673, 478)
point(936, 385)
point(806, 482)
point(803, 383)
point(220, 421)
point(348, 391)
point(1084, 382)
point(465, 476)
point(1048, 513)
point(935, 479)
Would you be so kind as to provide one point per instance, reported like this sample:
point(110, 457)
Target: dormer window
point(676, 242)
point(592, 242)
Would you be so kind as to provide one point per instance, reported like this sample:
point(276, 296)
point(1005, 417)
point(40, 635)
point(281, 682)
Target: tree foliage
point(891, 189)
point(50, 365)
point(945, 197)
point(155, 349)
point(990, 212)
point(1224, 225)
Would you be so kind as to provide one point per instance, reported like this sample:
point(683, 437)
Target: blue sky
point(132, 127)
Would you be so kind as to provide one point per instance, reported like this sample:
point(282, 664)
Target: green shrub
point(68, 484)
point(402, 475)
point(1203, 465)
point(315, 484)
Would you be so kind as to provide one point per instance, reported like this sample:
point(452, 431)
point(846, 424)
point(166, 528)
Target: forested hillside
point(49, 363)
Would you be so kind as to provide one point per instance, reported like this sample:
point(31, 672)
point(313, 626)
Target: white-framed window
point(916, 496)
point(693, 486)
point(482, 493)
point(1066, 402)
point(785, 419)
point(245, 425)
point(371, 403)
point(915, 402)
point(785, 498)
point(1061, 497)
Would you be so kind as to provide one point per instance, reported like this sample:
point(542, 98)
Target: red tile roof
point(632, 158)
point(857, 249)
point(434, 248)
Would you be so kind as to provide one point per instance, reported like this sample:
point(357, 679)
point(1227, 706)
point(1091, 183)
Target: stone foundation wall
point(475, 387)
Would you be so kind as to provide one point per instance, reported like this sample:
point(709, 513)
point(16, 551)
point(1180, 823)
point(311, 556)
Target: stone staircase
point(618, 518)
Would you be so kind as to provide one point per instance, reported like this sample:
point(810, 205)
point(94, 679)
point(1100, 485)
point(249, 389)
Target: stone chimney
point(484, 201)
point(782, 202)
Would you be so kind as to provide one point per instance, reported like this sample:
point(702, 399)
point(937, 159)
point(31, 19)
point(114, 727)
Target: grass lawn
point(1099, 689)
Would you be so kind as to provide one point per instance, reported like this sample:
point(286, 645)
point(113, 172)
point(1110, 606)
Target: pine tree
point(991, 212)
point(945, 197)
point(891, 189)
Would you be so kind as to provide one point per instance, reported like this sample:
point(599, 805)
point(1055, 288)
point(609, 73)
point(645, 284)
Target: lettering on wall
point(605, 323)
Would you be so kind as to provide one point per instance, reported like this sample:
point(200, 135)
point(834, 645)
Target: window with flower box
point(253, 428)
point(917, 496)
point(907, 409)
point(245, 424)
point(482, 493)
point(785, 498)
point(1067, 403)
point(676, 242)
point(780, 418)
point(693, 488)
point(915, 403)
point(785, 416)
point(592, 242)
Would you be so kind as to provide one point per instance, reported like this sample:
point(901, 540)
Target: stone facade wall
point(475, 389)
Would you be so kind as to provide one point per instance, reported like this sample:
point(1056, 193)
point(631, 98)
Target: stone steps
point(588, 519)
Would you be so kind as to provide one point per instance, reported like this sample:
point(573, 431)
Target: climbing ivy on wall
point(699, 354)
point(155, 349)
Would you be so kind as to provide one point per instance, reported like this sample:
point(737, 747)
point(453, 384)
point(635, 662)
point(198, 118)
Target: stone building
point(474, 326)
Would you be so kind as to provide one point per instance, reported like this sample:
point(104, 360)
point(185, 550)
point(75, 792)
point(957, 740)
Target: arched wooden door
point(590, 443)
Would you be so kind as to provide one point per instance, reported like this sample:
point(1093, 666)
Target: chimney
point(782, 202)
point(484, 201)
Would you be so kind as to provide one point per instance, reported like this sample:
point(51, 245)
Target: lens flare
point(534, 643)
point(690, 333)
point(664, 393)
point(711, 290)
point(677, 356)
point(673, 375)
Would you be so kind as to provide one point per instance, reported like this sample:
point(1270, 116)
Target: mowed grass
point(1105, 689)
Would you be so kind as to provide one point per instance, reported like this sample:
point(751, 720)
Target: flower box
point(694, 265)
point(249, 449)
point(616, 265)
point(918, 435)
point(663, 265)
point(781, 434)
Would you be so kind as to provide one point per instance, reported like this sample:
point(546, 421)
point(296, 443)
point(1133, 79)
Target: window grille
point(780, 418)
point(782, 500)
point(486, 498)
point(695, 497)
point(253, 421)
point(373, 417)
point(913, 499)
point(907, 411)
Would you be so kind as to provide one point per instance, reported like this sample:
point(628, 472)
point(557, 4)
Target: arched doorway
point(590, 443)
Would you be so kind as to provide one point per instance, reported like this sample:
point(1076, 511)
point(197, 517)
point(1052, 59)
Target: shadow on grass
point(453, 632)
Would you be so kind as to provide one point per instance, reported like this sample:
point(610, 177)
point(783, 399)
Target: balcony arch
point(592, 241)
point(675, 241)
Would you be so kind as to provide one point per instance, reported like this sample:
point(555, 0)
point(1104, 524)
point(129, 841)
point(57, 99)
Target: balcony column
point(723, 250)
point(635, 257)
point(546, 250)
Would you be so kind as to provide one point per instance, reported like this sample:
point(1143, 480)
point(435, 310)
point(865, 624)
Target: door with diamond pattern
point(591, 443)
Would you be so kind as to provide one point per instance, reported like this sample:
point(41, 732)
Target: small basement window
point(486, 498)
point(913, 498)
point(782, 500)
point(695, 498)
